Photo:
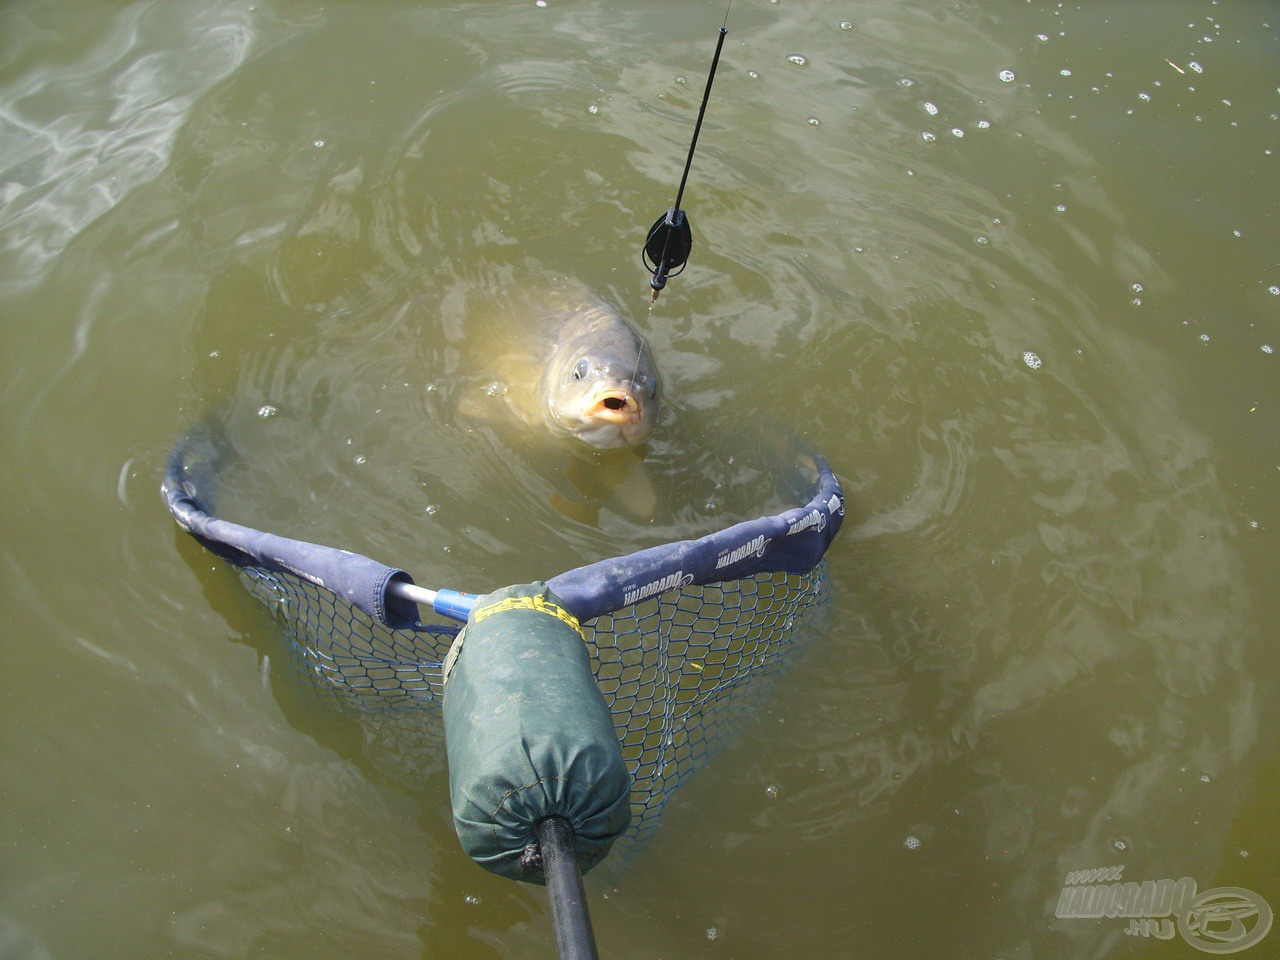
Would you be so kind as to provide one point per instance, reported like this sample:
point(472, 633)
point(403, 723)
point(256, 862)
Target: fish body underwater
point(599, 382)
point(562, 366)
point(560, 373)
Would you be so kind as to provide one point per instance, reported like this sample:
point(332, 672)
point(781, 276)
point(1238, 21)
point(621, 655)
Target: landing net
point(682, 637)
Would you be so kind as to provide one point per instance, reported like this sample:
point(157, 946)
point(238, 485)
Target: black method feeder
point(670, 240)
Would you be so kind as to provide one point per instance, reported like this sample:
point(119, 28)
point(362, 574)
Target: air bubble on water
point(1274, 290)
point(1006, 76)
point(912, 842)
point(1205, 778)
point(771, 791)
point(470, 898)
point(983, 241)
point(1266, 348)
point(1204, 338)
point(267, 410)
point(957, 132)
point(1136, 301)
point(1065, 72)
point(682, 80)
point(813, 122)
point(713, 933)
point(931, 108)
point(927, 137)
point(496, 389)
point(797, 59)
point(1061, 208)
point(593, 109)
point(431, 509)
point(1136, 288)
point(753, 75)
point(1226, 102)
point(983, 124)
point(1119, 844)
point(1031, 360)
point(908, 82)
point(1042, 37)
point(1145, 97)
point(317, 143)
point(360, 460)
point(1244, 853)
point(846, 25)
point(213, 354)
point(1253, 524)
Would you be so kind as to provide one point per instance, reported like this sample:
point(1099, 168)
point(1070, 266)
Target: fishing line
point(670, 240)
point(639, 357)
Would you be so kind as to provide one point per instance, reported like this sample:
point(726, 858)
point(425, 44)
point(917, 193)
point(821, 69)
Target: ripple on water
point(124, 112)
point(1028, 551)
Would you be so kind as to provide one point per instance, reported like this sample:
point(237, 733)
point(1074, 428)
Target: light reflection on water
point(1046, 646)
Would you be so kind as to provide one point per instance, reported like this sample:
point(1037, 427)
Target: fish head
point(600, 384)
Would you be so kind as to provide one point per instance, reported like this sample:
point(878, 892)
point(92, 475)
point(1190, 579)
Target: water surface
point(1011, 267)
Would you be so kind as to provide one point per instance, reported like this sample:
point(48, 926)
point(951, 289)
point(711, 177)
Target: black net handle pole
point(574, 937)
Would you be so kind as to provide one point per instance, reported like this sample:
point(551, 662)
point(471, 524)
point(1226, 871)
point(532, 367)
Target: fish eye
point(580, 368)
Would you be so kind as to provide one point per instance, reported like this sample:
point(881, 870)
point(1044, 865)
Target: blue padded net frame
point(682, 637)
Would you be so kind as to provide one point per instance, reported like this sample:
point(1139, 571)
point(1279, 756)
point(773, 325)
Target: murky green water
point(1031, 322)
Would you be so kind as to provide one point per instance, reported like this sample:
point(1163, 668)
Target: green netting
point(677, 670)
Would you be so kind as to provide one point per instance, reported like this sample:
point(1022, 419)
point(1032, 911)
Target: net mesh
point(677, 669)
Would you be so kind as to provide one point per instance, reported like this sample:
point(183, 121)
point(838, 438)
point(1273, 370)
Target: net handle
point(575, 939)
point(448, 603)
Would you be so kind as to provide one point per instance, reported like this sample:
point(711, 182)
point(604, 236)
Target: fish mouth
point(615, 406)
point(608, 417)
